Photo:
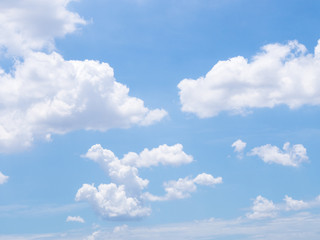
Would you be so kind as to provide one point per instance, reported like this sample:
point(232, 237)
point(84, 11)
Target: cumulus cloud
point(29, 25)
point(47, 94)
point(292, 204)
point(289, 156)
point(262, 208)
point(75, 219)
point(3, 178)
point(183, 187)
point(124, 197)
point(164, 154)
point(111, 201)
point(44, 94)
point(279, 74)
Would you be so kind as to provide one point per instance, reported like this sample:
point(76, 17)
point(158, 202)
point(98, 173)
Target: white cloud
point(28, 25)
point(3, 178)
point(164, 154)
point(262, 208)
point(289, 156)
point(207, 179)
point(183, 187)
point(111, 201)
point(47, 94)
point(239, 146)
point(75, 219)
point(292, 204)
point(279, 74)
point(124, 197)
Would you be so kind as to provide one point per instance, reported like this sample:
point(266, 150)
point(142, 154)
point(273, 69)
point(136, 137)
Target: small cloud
point(262, 208)
point(119, 229)
point(75, 219)
point(3, 178)
point(239, 146)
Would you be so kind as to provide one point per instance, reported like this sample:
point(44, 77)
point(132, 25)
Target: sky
point(146, 119)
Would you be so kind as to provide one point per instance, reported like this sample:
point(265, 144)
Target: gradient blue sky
point(209, 73)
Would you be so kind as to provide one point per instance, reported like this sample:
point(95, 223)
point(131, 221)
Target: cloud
point(75, 219)
point(279, 74)
point(294, 227)
point(183, 187)
point(124, 198)
point(262, 208)
point(164, 154)
point(46, 94)
point(32, 25)
point(292, 204)
point(239, 146)
point(3, 178)
point(290, 156)
point(119, 229)
point(111, 201)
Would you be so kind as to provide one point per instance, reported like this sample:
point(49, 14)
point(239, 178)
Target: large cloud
point(124, 197)
point(47, 94)
point(28, 25)
point(279, 74)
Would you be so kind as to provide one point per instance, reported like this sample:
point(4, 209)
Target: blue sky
point(144, 119)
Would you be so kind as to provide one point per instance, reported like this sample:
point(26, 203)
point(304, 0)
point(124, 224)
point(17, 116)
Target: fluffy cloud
point(290, 156)
point(183, 187)
point(28, 25)
point(292, 204)
point(164, 154)
point(111, 201)
point(279, 74)
point(47, 94)
point(75, 219)
point(124, 198)
point(262, 208)
point(3, 178)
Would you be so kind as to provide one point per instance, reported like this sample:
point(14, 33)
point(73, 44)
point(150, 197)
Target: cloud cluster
point(290, 156)
point(32, 25)
point(3, 178)
point(124, 198)
point(264, 208)
point(279, 74)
